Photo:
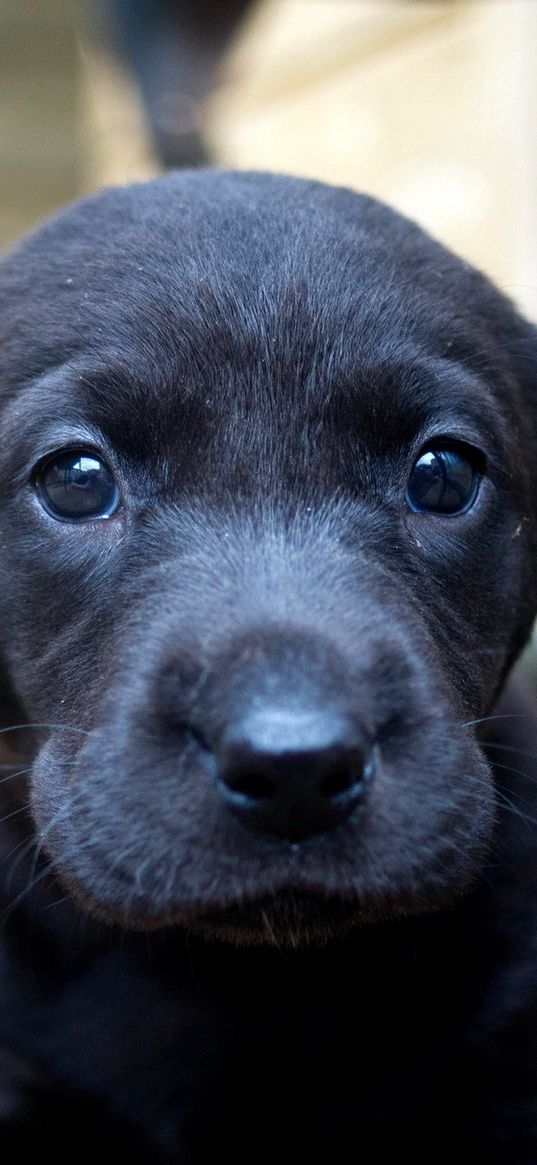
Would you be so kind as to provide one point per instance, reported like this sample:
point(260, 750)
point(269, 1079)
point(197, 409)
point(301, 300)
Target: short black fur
point(210, 943)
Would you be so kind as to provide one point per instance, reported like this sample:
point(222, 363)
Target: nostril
point(252, 786)
point(344, 778)
point(260, 776)
point(293, 774)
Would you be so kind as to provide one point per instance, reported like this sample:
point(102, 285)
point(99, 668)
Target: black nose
point(293, 773)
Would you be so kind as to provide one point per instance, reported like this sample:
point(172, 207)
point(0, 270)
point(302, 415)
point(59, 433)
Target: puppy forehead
point(203, 258)
point(206, 294)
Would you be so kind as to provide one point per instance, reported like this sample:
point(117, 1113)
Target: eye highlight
point(444, 480)
point(76, 486)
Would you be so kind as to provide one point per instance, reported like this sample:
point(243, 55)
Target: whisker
point(55, 727)
point(58, 817)
point(506, 790)
point(27, 846)
point(27, 843)
point(511, 769)
point(12, 776)
point(268, 928)
point(508, 748)
point(37, 841)
point(21, 809)
point(508, 804)
point(505, 795)
point(9, 910)
point(58, 902)
point(24, 772)
point(497, 716)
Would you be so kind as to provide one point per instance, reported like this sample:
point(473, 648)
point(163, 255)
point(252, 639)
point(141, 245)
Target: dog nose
point(293, 773)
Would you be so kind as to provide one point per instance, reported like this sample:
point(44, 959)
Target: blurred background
point(430, 104)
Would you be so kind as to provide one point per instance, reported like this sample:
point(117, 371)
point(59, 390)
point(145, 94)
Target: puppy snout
point(293, 773)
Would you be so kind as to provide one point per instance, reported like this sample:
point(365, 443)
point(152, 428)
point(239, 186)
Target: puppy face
point(267, 477)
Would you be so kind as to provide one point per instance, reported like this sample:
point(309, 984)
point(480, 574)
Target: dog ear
point(521, 352)
point(510, 363)
point(11, 715)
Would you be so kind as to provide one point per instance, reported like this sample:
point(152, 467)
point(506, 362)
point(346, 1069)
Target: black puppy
point(268, 553)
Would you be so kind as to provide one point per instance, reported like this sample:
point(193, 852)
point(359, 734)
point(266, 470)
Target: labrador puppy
point(268, 554)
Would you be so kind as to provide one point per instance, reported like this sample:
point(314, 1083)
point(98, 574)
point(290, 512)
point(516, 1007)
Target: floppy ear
point(11, 715)
point(512, 363)
point(11, 712)
point(523, 354)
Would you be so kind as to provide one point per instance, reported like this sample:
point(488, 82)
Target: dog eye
point(443, 481)
point(76, 486)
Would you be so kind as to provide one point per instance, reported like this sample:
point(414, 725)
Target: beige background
point(430, 105)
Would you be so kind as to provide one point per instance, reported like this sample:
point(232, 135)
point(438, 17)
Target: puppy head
point(267, 478)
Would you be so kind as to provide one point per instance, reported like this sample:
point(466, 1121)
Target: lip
point(287, 918)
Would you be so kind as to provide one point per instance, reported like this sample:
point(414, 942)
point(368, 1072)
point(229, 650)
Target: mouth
point(287, 919)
